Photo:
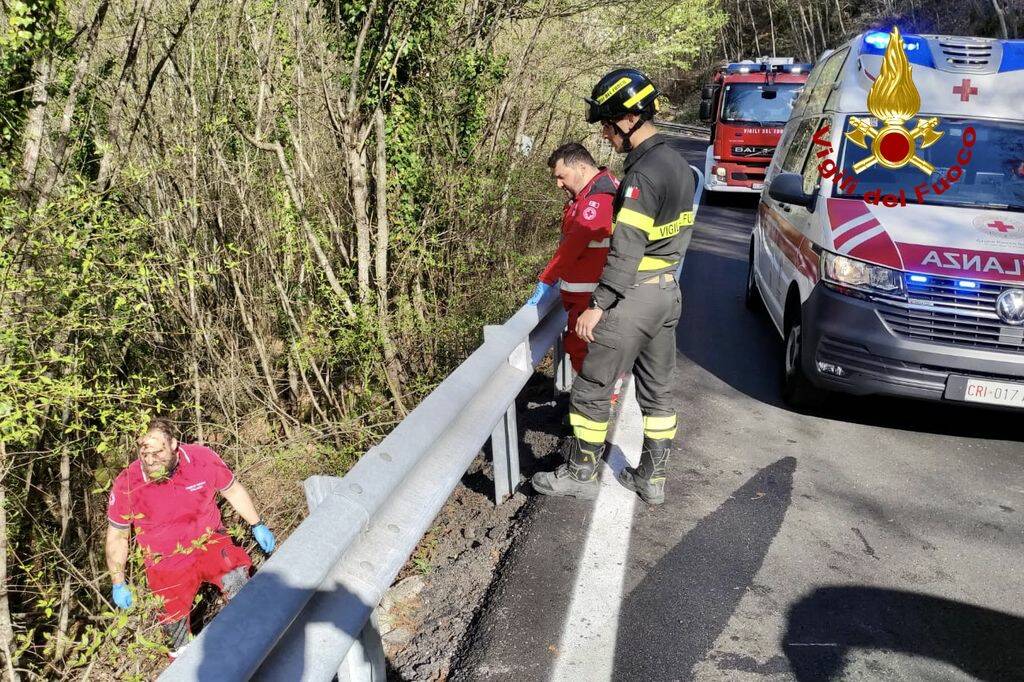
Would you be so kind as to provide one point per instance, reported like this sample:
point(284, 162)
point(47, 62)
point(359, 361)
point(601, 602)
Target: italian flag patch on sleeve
point(633, 192)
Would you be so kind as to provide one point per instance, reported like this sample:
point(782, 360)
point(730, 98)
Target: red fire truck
point(747, 103)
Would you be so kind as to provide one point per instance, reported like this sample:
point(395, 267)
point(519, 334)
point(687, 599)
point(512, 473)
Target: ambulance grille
point(942, 312)
point(971, 56)
point(967, 54)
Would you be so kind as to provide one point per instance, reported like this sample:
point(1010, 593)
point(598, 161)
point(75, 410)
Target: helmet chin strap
point(627, 144)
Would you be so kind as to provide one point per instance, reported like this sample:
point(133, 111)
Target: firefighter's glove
point(264, 537)
point(122, 596)
point(538, 293)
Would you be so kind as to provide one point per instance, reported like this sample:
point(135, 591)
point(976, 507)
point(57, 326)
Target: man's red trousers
point(574, 303)
point(178, 579)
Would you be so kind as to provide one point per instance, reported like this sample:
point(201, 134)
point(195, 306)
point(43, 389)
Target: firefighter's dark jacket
point(653, 214)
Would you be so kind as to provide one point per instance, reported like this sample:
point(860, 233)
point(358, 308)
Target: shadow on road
point(719, 334)
point(703, 577)
point(824, 626)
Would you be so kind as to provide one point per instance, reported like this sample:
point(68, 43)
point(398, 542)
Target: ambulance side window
point(810, 172)
point(798, 147)
point(805, 91)
point(823, 86)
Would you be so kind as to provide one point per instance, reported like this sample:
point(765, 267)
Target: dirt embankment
point(427, 613)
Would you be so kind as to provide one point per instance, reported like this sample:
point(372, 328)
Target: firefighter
point(632, 315)
point(586, 229)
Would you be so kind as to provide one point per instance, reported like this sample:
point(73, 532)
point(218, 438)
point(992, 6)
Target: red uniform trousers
point(178, 580)
point(574, 303)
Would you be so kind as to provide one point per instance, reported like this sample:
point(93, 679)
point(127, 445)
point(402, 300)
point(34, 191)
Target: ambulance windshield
point(759, 103)
point(987, 170)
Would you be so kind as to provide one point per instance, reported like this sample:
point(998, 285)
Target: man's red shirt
point(169, 515)
point(586, 230)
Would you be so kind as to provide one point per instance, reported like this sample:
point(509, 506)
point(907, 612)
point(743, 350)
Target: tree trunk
point(1002, 18)
point(392, 366)
point(111, 145)
point(808, 32)
point(65, 520)
point(771, 24)
point(842, 24)
point(63, 138)
point(6, 628)
point(355, 154)
point(753, 28)
point(34, 123)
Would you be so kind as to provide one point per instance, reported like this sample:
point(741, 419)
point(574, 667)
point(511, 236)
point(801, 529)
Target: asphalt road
point(875, 539)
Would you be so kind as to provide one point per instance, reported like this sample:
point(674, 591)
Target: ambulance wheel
point(752, 298)
point(797, 390)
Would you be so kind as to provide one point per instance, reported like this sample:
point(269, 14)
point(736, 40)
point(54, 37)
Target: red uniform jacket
point(586, 233)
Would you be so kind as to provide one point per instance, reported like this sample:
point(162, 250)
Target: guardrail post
point(563, 367)
point(365, 659)
point(505, 454)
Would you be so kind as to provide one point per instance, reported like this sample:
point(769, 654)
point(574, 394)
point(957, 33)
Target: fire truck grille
point(748, 176)
point(940, 311)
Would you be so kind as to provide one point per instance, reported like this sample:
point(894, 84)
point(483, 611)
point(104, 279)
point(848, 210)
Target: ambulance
point(888, 247)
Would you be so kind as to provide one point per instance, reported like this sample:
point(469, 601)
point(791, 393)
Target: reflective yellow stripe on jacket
point(654, 232)
point(646, 224)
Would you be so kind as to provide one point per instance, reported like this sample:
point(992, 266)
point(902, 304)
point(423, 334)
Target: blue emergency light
point(880, 40)
point(919, 279)
point(967, 284)
point(753, 67)
point(792, 68)
point(877, 39)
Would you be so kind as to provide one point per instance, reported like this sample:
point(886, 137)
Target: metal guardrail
point(683, 128)
point(306, 606)
point(307, 613)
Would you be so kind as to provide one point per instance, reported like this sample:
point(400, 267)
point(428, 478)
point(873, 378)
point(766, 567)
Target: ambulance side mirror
point(707, 92)
point(788, 188)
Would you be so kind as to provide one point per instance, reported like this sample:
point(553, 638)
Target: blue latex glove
point(122, 596)
point(264, 537)
point(538, 293)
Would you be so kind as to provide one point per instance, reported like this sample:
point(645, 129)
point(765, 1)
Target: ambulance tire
point(797, 390)
point(752, 298)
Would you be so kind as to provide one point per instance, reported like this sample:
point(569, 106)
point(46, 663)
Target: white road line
point(587, 648)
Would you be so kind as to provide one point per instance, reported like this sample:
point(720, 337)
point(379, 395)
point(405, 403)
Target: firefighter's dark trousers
point(638, 334)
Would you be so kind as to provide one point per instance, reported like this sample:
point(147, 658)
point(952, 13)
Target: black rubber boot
point(648, 479)
point(177, 635)
point(577, 477)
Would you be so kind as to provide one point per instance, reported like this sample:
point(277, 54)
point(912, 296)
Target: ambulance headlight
point(850, 275)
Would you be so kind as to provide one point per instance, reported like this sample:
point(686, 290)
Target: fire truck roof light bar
point(760, 67)
point(750, 67)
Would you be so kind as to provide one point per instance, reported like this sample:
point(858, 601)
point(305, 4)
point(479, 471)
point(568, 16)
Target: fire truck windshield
point(991, 168)
point(759, 103)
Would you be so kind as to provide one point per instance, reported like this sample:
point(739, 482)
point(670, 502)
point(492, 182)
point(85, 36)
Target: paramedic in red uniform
point(169, 495)
point(586, 229)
